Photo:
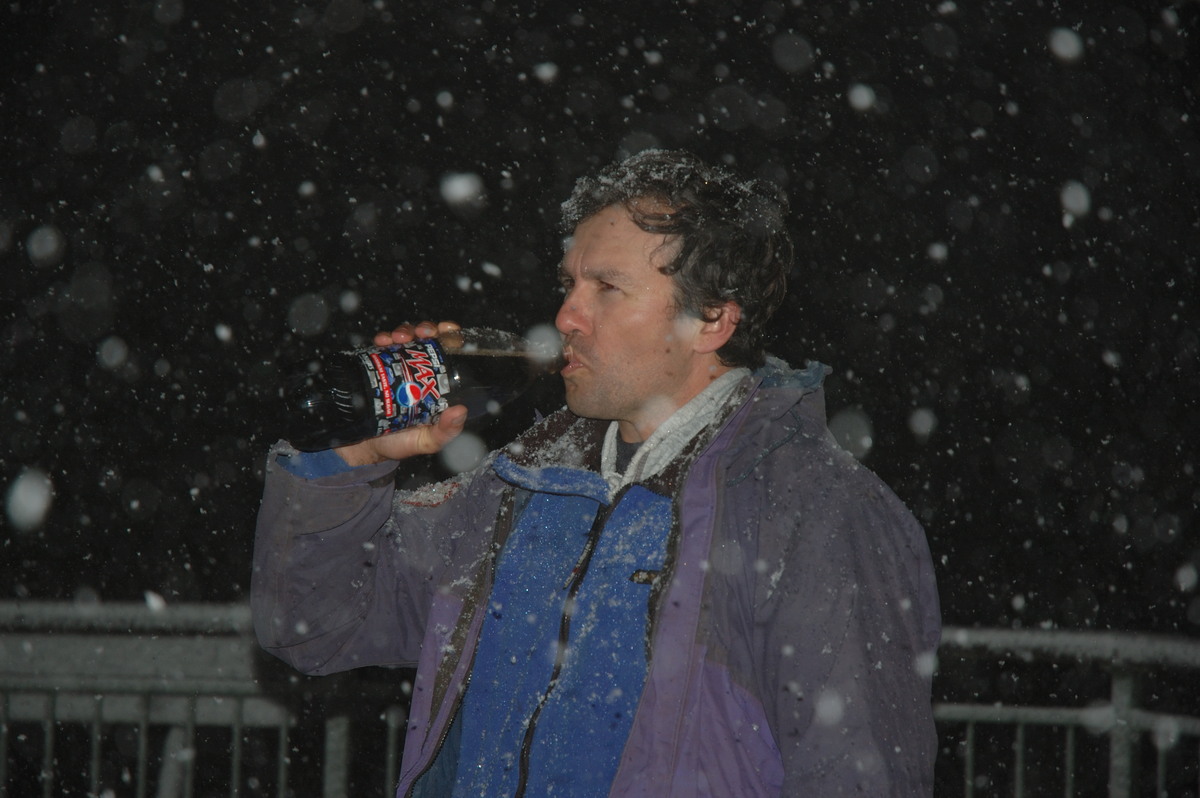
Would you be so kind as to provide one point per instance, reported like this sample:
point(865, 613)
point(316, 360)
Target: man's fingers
point(405, 333)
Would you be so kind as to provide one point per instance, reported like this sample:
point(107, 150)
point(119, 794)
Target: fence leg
point(969, 764)
point(337, 756)
point(1122, 764)
point(4, 745)
point(175, 752)
point(1019, 763)
point(396, 716)
point(1069, 782)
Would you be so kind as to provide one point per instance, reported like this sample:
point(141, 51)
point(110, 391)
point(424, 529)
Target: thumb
point(448, 427)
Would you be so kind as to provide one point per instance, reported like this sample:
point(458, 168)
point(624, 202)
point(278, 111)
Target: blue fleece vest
point(561, 659)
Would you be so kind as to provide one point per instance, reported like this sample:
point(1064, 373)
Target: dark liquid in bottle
point(486, 380)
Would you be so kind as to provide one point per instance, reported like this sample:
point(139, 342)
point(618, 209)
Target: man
point(678, 585)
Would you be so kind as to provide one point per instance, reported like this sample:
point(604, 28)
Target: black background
point(233, 183)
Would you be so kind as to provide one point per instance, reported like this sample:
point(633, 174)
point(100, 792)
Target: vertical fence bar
point(143, 743)
point(235, 749)
point(1019, 762)
point(1122, 737)
point(1069, 781)
point(51, 710)
point(190, 751)
point(4, 713)
point(395, 722)
point(337, 756)
point(281, 774)
point(96, 731)
point(969, 762)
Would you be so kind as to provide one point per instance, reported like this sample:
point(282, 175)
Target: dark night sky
point(995, 211)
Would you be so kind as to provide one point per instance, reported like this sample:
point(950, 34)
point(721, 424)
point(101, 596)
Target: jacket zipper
point(573, 583)
point(445, 733)
point(442, 737)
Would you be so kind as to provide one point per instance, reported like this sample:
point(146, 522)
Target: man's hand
point(421, 439)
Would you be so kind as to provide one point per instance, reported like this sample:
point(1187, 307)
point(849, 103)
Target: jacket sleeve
point(847, 624)
point(345, 566)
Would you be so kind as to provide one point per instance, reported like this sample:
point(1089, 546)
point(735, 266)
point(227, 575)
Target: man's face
point(630, 358)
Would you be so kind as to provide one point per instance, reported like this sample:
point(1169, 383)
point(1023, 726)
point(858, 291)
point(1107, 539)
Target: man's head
point(728, 236)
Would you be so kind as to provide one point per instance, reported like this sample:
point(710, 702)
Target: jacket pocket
point(734, 749)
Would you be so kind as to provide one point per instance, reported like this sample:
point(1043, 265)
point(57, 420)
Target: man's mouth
point(571, 364)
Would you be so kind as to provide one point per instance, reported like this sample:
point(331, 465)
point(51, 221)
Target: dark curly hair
point(732, 242)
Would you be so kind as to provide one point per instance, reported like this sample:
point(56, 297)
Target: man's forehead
point(613, 213)
point(610, 242)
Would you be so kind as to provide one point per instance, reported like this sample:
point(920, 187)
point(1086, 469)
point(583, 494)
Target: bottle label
point(408, 383)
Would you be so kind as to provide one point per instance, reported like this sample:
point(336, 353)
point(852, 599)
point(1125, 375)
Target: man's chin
point(577, 405)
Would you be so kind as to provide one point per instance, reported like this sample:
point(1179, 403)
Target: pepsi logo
point(409, 394)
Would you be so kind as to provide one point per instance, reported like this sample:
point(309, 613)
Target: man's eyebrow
point(603, 274)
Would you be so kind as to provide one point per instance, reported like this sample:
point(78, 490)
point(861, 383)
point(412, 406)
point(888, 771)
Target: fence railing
point(108, 700)
point(1068, 713)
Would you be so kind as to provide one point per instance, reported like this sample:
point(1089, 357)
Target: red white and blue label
point(408, 383)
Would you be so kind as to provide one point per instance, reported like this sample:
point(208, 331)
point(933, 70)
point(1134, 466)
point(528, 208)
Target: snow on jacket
point(792, 636)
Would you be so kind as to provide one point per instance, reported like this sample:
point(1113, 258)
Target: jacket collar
point(699, 418)
point(563, 454)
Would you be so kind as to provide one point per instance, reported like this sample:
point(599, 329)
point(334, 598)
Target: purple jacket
point(792, 648)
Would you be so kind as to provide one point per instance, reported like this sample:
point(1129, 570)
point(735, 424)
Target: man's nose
point(570, 316)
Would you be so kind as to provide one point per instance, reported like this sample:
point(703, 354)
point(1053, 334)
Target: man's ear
point(717, 326)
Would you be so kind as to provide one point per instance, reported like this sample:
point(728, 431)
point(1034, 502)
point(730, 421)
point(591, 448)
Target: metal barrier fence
point(108, 700)
point(115, 700)
point(1067, 713)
